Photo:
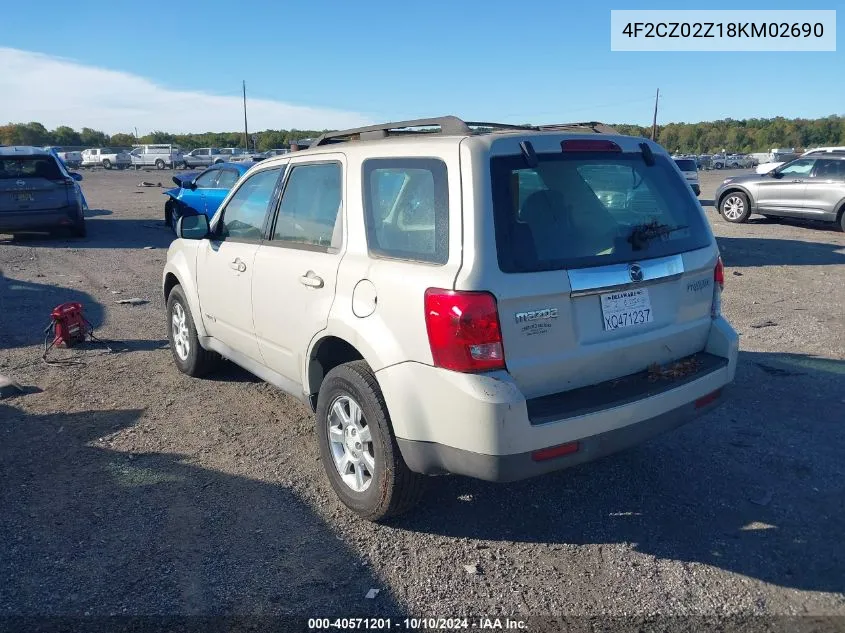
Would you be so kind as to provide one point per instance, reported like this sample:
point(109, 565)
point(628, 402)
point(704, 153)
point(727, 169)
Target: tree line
point(36, 134)
point(746, 135)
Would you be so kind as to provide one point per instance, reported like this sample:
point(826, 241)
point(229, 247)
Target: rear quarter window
point(406, 208)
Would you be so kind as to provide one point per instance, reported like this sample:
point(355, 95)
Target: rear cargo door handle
point(237, 264)
point(311, 280)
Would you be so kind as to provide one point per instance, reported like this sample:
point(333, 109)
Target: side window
point(827, 169)
point(406, 206)
point(310, 208)
point(244, 214)
point(799, 167)
point(207, 179)
point(227, 179)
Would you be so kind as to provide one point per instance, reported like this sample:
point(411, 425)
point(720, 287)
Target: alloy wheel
point(351, 443)
point(179, 327)
point(733, 207)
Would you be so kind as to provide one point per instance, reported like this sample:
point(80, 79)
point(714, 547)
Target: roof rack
point(594, 126)
point(450, 125)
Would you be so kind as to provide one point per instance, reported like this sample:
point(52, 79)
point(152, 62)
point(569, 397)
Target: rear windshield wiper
point(642, 234)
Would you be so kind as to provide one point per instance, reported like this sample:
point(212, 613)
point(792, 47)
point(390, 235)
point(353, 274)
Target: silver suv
point(811, 187)
point(488, 300)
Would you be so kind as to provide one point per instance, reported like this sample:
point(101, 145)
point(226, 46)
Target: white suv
point(497, 303)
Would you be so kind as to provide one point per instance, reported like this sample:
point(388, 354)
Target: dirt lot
point(131, 488)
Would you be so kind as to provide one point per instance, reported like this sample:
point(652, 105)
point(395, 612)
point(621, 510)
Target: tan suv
point(481, 299)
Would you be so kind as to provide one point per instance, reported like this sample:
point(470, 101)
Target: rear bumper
point(431, 458)
point(39, 220)
point(482, 426)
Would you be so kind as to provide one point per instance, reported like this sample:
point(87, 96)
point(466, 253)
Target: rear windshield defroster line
point(580, 209)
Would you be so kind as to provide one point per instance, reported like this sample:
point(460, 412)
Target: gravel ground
point(129, 488)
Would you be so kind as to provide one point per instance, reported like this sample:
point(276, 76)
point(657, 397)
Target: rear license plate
point(23, 197)
point(626, 308)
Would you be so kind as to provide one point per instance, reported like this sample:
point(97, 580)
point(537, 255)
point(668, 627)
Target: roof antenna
point(529, 154)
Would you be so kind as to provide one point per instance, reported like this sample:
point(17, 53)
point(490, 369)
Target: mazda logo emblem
point(636, 272)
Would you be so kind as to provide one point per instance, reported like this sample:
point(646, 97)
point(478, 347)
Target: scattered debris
point(9, 387)
point(472, 570)
point(765, 500)
point(777, 371)
point(149, 248)
point(737, 273)
point(764, 324)
point(116, 292)
point(372, 593)
point(678, 369)
point(134, 301)
point(144, 183)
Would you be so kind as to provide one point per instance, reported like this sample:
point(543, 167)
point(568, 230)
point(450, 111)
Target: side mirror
point(192, 227)
point(776, 174)
point(75, 176)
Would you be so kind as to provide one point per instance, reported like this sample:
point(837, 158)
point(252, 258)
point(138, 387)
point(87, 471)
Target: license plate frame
point(23, 196)
point(626, 308)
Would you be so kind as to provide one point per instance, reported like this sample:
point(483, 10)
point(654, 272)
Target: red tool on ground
point(68, 327)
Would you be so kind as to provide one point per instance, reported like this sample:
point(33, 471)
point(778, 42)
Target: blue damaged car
point(201, 192)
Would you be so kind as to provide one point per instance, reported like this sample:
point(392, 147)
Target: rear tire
point(190, 358)
point(392, 488)
point(734, 207)
point(78, 229)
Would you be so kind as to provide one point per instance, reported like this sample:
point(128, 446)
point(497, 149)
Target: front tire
point(159, 164)
point(106, 164)
point(189, 356)
point(735, 208)
point(357, 446)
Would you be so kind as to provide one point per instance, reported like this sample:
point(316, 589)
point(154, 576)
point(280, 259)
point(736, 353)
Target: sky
point(178, 67)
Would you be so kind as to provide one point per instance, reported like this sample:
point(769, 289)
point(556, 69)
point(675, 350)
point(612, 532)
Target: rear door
point(605, 264)
point(825, 189)
point(32, 184)
point(296, 269)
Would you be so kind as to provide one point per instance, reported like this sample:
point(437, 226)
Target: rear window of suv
point(582, 209)
point(30, 167)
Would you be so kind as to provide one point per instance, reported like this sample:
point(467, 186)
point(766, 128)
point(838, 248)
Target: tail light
point(719, 274)
point(718, 285)
point(463, 330)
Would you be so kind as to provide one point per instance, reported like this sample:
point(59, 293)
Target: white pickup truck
point(105, 157)
point(71, 159)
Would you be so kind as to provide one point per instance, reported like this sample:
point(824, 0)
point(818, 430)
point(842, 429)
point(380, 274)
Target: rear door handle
point(311, 280)
point(237, 264)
